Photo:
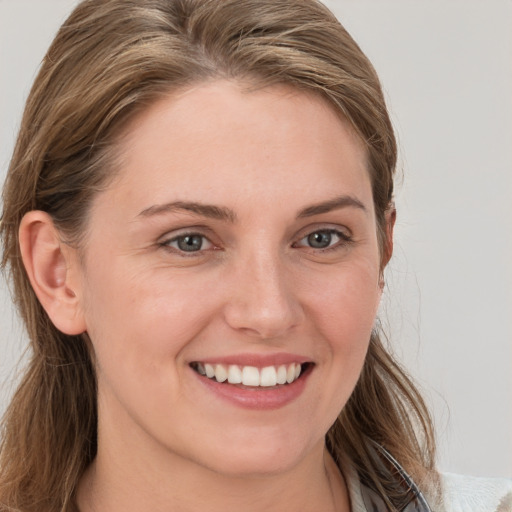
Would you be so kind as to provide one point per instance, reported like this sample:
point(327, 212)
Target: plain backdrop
point(446, 67)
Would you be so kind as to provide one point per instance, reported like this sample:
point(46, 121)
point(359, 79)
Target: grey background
point(446, 67)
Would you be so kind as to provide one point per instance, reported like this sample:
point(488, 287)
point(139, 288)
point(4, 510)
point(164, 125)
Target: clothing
point(466, 493)
point(455, 493)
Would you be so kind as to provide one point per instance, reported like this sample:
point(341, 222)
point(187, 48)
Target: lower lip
point(259, 398)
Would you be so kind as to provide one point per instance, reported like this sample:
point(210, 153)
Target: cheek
point(344, 319)
point(138, 327)
point(346, 307)
point(136, 321)
point(341, 310)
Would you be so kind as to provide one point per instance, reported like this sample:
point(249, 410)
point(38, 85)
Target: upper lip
point(257, 360)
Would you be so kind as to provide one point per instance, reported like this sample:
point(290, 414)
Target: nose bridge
point(264, 302)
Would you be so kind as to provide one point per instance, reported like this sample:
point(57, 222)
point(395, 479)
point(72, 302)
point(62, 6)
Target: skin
point(256, 286)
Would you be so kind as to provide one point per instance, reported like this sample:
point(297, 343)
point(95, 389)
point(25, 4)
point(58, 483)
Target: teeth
point(290, 374)
point(268, 376)
point(281, 374)
point(210, 371)
point(220, 373)
point(250, 376)
point(234, 374)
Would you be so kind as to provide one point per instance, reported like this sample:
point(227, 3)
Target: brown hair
point(109, 60)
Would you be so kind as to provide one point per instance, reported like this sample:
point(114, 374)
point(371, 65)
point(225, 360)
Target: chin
point(252, 465)
point(258, 457)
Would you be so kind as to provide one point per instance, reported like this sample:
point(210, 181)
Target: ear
point(52, 267)
point(387, 250)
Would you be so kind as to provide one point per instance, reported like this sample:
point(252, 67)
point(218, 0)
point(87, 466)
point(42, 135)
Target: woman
point(197, 217)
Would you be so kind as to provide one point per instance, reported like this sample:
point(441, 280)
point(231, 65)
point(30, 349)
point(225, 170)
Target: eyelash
point(167, 244)
point(343, 241)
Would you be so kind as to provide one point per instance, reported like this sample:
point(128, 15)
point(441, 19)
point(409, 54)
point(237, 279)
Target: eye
point(323, 239)
point(189, 242)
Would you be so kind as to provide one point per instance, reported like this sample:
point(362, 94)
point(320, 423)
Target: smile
point(268, 376)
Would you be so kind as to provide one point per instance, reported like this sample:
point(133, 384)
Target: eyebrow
point(205, 210)
point(226, 214)
point(337, 203)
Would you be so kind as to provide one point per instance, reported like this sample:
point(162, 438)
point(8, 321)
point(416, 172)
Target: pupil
point(190, 243)
point(320, 240)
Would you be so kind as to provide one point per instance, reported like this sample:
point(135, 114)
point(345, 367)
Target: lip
point(257, 360)
point(256, 398)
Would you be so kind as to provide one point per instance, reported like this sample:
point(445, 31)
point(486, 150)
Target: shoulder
point(474, 494)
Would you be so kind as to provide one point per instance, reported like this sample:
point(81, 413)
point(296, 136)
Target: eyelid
point(172, 236)
point(176, 239)
point(345, 238)
point(344, 231)
point(186, 231)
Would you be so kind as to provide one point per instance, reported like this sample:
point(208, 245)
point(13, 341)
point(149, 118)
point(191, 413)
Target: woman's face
point(239, 238)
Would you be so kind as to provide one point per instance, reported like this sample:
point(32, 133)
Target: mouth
point(268, 377)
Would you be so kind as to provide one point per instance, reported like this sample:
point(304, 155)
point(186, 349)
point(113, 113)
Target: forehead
point(220, 137)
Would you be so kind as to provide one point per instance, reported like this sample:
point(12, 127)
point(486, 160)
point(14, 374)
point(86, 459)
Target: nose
point(263, 302)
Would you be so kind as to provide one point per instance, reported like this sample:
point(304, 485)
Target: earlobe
point(52, 270)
